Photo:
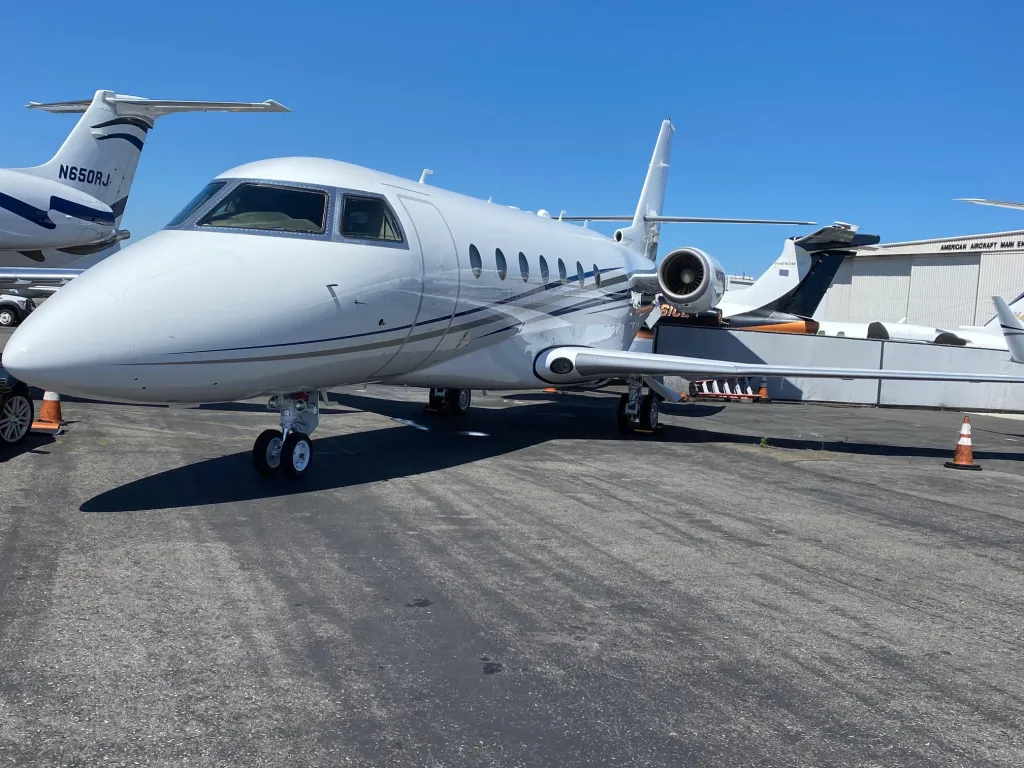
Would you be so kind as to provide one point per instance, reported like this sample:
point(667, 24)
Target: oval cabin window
point(524, 267)
point(499, 262)
point(474, 261)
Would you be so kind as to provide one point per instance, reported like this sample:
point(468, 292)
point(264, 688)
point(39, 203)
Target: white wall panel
point(881, 289)
point(1002, 274)
point(944, 290)
point(837, 300)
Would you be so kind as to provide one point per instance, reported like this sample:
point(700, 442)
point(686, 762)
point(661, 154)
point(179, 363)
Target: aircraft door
point(427, 229)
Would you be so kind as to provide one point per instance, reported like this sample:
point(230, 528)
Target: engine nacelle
point(691, 280)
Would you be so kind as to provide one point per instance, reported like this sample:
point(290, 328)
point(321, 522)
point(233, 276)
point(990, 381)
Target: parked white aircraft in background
point(341, 274)
point(986, 336)
point(993, 203)
point(72, 205)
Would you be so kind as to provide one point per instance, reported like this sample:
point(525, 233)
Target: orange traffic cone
point(964, 456)
point(550, 390)
point(50, 419)
point(762, 392)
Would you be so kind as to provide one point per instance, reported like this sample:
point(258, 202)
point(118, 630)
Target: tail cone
point(964, 456)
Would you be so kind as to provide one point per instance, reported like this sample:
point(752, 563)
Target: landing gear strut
point(288, 449)
point(451, 402)
point(637, 409)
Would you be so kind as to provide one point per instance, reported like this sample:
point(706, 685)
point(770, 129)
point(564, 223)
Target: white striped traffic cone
point(964, 456)
point(50, 419)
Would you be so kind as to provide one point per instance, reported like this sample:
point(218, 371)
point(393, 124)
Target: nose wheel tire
point(625, 422)
point(15, 419)
point(296, 454)
point(266, 453)
point(649, 408)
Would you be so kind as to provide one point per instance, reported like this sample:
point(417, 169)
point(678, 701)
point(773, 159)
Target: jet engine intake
point(691, 280)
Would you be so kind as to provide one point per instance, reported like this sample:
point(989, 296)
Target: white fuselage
point(307, 311)
point(38, 213)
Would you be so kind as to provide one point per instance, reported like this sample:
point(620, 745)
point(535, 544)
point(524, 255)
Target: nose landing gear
point(289, 449)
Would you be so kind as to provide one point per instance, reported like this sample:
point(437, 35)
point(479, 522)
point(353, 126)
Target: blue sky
point(870, 112)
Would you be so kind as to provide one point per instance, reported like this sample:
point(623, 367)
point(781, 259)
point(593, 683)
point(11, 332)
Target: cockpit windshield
point(197, 202)
point(266, 206)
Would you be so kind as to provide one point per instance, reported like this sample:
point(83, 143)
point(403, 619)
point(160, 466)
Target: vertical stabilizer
point(1012, 328)
point(642, 235)
point(1016, 307)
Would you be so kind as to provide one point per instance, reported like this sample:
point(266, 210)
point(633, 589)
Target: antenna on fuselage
point(423, 176)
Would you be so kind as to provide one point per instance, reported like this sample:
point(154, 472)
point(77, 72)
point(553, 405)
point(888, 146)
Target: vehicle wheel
point(296, 454)
point(625, 422)
point(649, 408)
point(15, 419)
point(266, 453)
point(457, 401)
point(435, 401)
point(8, 317)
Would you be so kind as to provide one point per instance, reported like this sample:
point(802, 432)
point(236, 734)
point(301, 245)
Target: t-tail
point(101, 153)
point(1015, 307)
point(798, 280)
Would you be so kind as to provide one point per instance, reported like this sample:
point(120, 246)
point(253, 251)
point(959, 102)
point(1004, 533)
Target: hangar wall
point(831, 351)
point(946, 282)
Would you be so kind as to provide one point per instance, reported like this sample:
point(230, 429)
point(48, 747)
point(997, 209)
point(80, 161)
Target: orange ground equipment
point(964, 456)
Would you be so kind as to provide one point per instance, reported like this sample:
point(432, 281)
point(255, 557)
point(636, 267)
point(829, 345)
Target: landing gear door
point(427, 230)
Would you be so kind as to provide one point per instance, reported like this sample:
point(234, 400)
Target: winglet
point(1013, 330)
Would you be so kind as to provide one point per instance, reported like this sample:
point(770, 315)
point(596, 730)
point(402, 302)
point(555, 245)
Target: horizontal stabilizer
point(834, 236)
point(994, 203)
point(134, 105)
point(1012, 328)
point(685, 220)
point(571, 364)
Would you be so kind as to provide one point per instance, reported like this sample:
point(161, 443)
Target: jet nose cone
point(68, 343)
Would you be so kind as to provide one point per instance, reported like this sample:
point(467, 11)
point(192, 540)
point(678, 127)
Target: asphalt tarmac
point(518, 587)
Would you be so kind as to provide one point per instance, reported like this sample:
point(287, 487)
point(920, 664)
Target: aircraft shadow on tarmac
point(372, 456)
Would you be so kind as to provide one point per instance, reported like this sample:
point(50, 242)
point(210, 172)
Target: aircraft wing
point(995, 203)
point(26, 275)
point(571, 364)
point(684, 220)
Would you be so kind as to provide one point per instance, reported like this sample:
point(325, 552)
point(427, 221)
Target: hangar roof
point(1011, 240)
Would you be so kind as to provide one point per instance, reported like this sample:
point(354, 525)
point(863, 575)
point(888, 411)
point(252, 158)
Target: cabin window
point(544, 273)
point(274, 208)
point(499, 263)
point(474, 261)
point(368, 218)
point(524, 267)
point(197, 202)
point(563, 276)
point(841, 333)
point(597, 277)
point(581, 276)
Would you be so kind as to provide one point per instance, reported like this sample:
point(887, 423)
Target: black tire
point(296, 455)
point(649, 410)
point(435, 401)
point(625, 423)
point(266, 453)
point(8, 317)
point(457, 401)
point(16, 417)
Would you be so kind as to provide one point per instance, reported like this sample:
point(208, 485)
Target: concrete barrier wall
point(830, 351)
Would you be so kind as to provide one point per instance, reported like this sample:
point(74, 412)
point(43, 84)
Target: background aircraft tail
point(1016, 307)
point(102, 151)
point(798, 280)
point(1013, 330)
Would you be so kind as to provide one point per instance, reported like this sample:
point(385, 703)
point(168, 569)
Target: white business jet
point(71, 206)
point(336, 274)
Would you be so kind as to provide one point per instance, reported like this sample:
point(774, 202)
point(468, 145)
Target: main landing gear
point(288, 449)
point(638, 410)
point(451, 402)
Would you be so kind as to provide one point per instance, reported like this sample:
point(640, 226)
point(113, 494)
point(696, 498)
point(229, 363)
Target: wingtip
point(275, 106)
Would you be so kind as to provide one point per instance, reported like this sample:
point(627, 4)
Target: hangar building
point(946, 282)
